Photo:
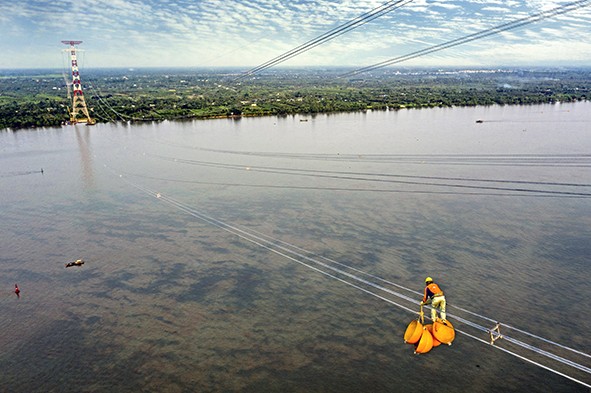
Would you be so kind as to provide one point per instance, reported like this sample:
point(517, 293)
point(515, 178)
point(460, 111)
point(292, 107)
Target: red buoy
point(17, 291)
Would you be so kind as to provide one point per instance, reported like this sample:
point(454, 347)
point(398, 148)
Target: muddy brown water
point(173, 297)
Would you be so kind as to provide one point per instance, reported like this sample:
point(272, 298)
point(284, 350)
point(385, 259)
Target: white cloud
point(448, 6)
point(240, 32)
point(496, 9)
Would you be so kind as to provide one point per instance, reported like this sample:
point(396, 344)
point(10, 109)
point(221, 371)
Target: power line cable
point(272, 245)
point(348, 189)
point(102, 108)
point(329, 35)
point(476, 36)
point(355, 177)
point(292, 252)
point(554, 160)
point(375, 277)
point(550, 189)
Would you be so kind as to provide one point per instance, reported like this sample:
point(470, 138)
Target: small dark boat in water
point(78, 262)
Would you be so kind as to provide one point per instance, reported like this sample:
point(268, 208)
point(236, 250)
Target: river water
point(287, 254)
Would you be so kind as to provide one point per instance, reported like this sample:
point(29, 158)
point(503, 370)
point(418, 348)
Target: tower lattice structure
point(79, 112)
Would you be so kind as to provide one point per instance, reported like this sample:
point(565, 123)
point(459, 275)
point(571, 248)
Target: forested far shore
point(36, 98)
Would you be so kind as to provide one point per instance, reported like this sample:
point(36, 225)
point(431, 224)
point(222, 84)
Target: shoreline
point(308, 114)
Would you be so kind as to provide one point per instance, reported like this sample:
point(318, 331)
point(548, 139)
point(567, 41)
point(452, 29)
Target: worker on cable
point(434, 295)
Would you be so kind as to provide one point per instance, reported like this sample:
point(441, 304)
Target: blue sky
point(212, 33)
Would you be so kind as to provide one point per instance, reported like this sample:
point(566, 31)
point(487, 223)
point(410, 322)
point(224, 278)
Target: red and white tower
point(79, 112)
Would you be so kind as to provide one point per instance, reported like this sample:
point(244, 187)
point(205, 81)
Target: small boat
point(78, 262)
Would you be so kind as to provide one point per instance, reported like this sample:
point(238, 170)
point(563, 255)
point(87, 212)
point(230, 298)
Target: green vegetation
point(39, 98)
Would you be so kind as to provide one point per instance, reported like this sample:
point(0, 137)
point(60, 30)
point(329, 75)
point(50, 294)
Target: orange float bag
point(425, 343)
point(416, 333)
point(436, 342)
point(444, 332)
point(413, 332)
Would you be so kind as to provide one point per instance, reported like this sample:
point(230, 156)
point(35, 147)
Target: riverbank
point(153, 95)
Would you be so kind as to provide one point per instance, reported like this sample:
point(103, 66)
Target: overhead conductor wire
point(355, 176)
point(296, 254)
point(385, 178)
point(329, 35)
point(476, 36)
point(563, 160)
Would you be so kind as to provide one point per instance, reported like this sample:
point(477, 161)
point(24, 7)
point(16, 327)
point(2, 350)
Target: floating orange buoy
point(444, 332)
point(413, 332)
point(425, 343)
point(436, 342)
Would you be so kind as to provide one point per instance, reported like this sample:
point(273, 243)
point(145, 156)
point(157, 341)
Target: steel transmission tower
point(79, 112)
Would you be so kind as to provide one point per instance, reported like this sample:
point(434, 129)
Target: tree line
point(39, 98)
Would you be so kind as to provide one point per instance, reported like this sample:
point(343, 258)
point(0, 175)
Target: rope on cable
point(476, 36)
point(295, 254)
point(329, 35)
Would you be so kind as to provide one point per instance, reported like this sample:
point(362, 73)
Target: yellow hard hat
point(428, 279)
